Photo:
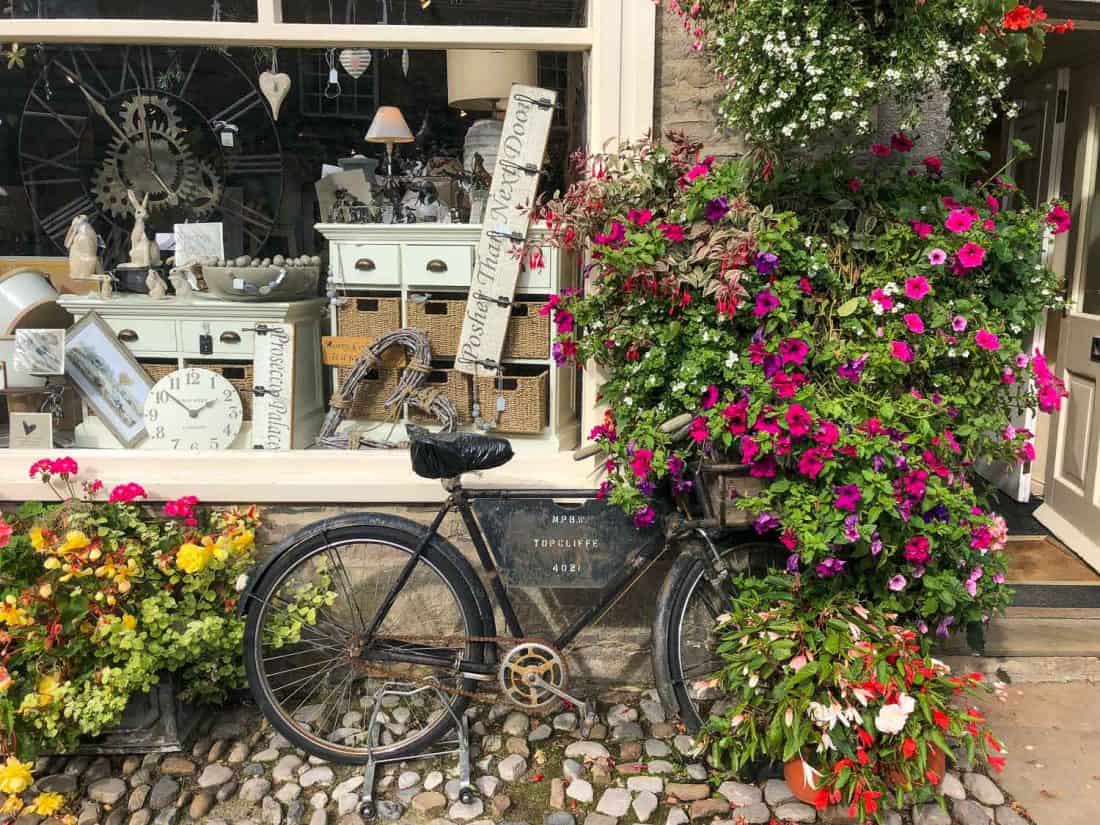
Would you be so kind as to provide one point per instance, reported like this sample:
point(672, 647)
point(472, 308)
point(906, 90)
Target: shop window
point(243, 11)
point(559, 13)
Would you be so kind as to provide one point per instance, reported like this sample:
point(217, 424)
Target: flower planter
point(153, 722)
point(794, 771)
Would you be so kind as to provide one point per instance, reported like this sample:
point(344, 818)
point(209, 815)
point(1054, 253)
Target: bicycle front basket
point(561, 543)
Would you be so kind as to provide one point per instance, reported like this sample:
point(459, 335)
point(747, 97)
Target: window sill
point(293, 477)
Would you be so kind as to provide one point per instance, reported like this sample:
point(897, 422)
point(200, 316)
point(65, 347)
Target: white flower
point(732, 359)
point(242, 582)
point(824, 716)
point(892, 718)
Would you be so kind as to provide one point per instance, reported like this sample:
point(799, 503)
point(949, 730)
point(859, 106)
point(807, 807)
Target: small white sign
point(196, 241)
point(31, 431)
point(273, 385)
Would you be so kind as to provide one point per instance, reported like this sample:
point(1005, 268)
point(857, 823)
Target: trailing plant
point(99, 599)
point(799, 71)
point(819, 676)
point(858, 337)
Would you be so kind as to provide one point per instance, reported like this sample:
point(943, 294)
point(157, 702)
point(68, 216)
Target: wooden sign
point(504, 227)
point(344, 351)
point(273, 387)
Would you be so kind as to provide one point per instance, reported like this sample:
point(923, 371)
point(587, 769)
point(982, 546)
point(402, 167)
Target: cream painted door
point(1072, 507)
point(1041, 125)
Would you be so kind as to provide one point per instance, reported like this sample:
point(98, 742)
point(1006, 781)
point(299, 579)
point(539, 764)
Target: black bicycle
point(353, 603)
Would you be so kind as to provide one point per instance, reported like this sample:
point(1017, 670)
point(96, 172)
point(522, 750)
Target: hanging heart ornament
point(275, 88)
point(355, 61)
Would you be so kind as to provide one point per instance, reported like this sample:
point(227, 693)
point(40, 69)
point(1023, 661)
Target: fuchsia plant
point(860, 347)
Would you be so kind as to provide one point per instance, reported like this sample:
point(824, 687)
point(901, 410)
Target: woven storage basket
point(526, 409)
point(372, 391)
point(528, 334)
point(368, 317)
point(455, 386)
point(237, 373)
point(441, 320)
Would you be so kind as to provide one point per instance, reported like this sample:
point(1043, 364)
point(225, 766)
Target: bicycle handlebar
point(673, 425)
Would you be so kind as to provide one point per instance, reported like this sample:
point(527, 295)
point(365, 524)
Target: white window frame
point(619, 42)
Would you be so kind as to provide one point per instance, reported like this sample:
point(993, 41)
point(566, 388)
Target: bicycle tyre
point(679, 589)
point(439, 556)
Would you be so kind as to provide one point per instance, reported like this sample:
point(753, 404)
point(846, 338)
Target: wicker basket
point(237, 373)
point(373, 390)
point(526, 408)
point(368, 317)
point(528, 334)
point(158, 370)
point(455, 386)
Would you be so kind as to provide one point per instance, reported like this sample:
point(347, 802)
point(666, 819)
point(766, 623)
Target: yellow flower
point(75, 540)
point(47, 804)
point(244, 540)
point(38, 541)
point(14, 616)
point(46, 687)
point(52, 563)
point(192, 558)
point(5, 680)
point(129, 622)
point(46, 590)
point(13, 806)
point(15, 776)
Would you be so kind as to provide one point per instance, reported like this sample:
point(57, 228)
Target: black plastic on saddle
point(449, 455)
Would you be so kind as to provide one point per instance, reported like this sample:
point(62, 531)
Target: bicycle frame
point(459, 499)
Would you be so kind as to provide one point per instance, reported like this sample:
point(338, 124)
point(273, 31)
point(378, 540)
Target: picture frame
point(111, 381)
point(196, 242)
point(39, 351)
point(30, 431)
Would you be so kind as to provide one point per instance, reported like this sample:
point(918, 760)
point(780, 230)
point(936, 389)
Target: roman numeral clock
point(185, 126)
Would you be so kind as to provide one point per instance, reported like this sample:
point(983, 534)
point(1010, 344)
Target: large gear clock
point(101, 121)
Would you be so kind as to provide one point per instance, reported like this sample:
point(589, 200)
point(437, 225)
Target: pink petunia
point(933, 164)
point(673, 232)
point(922, 229)
point(639, 217)
point(1059, 218)
point(993, 204)
point(971, 255)
point(766, 301)
point(700, 430)
point(901, 142)
point(848, 497)
point(902, 351)
point(880, 150)
point(710, 397)
point(987, 340)
point(916, 288)
point(799, 422)
point(959, 220)
point(5, 533)
point(917, 550)
point(793, 351)
point(641, 462)
point(914, 323)
point(937, 257)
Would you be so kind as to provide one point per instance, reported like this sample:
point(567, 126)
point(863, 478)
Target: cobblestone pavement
point(636, 766)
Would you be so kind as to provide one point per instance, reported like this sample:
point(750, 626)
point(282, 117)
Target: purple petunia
point(853, 370)
point(766, 262)
point(717, 208)
point(848, 497)
point(830, 567)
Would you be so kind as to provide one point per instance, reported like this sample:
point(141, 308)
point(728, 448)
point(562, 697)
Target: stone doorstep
point(563, 781)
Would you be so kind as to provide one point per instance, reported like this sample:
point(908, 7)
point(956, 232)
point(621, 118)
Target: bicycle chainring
point(523, 666)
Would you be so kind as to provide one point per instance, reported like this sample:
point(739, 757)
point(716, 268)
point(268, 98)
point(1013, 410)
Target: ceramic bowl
point(261, 283)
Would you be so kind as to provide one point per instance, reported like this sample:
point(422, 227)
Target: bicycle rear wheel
point(308, 668)
point(684, 645)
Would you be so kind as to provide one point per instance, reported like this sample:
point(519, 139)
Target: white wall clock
point(193, 409)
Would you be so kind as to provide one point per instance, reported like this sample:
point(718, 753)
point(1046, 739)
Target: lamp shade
point(478, 78)
point(389, 127)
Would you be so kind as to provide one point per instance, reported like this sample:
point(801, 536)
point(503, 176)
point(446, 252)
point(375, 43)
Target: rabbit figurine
point(83, 245)
point(143, 252)
point(157, 288)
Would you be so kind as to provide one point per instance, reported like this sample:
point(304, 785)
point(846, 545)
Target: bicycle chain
point(474, 696)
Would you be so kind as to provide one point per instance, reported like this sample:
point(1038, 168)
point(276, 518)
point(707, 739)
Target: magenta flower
point(793, 351)
point(848, 497)
point(853, 370)
point(564, 322)
point(716, 209)
point(897, 583)
point(901, 142)
point(880, 150)
point(766, 301)
point(914, 323)
point(827, 433)
point(811, 463)
point(1059, 218)
point(902, 351)
point(830, 567)
point(799, 422)
point(764, 467)
point(710, 397)
point(1022, 360)
point(917, 550)
point(916, 288)
point(126, 493)
point(971, 255)
point(987, 340)
point(700, 430)
point(959, 220)
point(639, 217)
point(700, 170)
point(958, 323)
point(749, 449)
point(673, 232)
point(613, 238)
point(645, 517)
point(641, 462)
point(937, 257)
point(922, 229)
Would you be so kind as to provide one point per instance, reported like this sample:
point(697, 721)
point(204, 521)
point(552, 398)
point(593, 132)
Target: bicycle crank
point(533, 675)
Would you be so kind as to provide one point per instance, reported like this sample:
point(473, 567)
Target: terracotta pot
point(796, 777)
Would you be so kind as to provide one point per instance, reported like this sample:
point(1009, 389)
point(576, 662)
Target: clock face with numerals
point(193, 410)
point(185, 126)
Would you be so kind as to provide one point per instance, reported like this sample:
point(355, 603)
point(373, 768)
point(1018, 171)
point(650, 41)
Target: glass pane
point(229, 10)
point(561, 13)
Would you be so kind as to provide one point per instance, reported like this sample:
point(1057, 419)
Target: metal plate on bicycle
point(548, 543)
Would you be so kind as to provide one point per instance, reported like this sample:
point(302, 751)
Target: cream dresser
point(418, 275)
point(164, 335)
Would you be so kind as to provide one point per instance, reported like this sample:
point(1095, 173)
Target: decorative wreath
point(409, 391)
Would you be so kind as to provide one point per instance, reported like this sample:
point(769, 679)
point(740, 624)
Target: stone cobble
point(637, 766)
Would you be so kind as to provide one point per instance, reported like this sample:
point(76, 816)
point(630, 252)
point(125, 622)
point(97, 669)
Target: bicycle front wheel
point(309, 669)
point(685, 660)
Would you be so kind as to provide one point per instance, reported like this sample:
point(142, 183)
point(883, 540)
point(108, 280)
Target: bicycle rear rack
point(458, 744)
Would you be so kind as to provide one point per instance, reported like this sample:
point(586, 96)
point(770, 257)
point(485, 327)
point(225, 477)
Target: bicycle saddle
point(449, 455)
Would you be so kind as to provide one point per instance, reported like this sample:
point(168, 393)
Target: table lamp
point(480, 80)
point(389, 127)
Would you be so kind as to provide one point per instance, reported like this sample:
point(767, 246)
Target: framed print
point(40, 351)
point(31, 431)
point(105, 373)
point(195, 242)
